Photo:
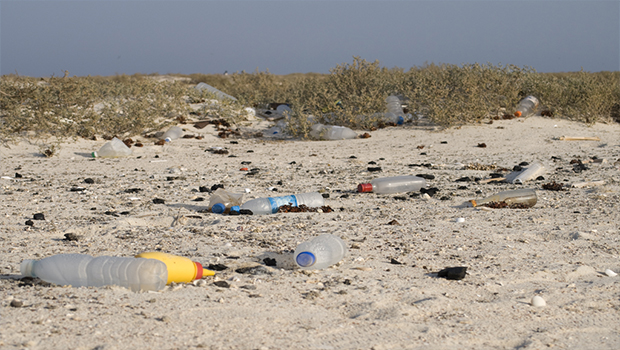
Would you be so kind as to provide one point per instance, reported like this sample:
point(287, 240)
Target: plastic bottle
point(530, 173)
point(321, 252)
point(80, 270)
point(525, 197)
point(331, 132)
point(113, 149)
point(226, 199)
point(396, 184)
point(172, 134)
point(527, 106)
point(270, 205)
point(180, 269)
point(394, 110)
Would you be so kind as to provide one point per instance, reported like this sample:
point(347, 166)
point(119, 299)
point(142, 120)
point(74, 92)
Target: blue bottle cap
point(218, 208)
point(401, 120)
point(235, 208)
point(305, 259)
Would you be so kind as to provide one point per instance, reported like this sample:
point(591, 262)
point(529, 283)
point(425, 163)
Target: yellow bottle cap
point(180, 269)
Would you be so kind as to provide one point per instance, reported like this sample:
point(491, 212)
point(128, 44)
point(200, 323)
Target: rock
point(610, 273)
point(453, 273)
point(38, 216)
point(538, 301)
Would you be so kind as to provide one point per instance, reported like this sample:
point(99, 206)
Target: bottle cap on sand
point(218, 208)
point(180, 269)
point(517, 113)
point(364, 188)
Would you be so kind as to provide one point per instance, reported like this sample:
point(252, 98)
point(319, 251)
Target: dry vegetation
point(448, 95)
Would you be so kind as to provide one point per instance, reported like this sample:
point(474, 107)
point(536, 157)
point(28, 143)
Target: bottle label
point(277, 202)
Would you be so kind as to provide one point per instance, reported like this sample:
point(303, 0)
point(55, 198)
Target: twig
point(579, 138)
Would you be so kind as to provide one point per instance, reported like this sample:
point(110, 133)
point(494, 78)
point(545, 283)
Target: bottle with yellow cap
point(180, 269)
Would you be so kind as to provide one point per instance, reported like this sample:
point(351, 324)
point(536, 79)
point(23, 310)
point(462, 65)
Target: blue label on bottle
point(277, 202)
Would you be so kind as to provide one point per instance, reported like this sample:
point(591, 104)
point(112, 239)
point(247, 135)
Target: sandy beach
point(385, 294)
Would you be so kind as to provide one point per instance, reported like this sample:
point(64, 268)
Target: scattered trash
point(453, 273)
point(527, 106)
point(460, 220)
point(321, 252)
point(568, 138)
point(180, 269)
point(515, 199)
point(218, 93)
point(80, 270)
point(270, 205)
point(538, 301)
point(588, 184)
point(331, 132)
point(610, 273)
point(302, 208)
point(173, 133)
point(396, 184)
point(225, 199)
point(532, 172)
point(394, 110)
point(113, 149)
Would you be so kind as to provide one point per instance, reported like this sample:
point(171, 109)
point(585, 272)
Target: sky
point(45, 38)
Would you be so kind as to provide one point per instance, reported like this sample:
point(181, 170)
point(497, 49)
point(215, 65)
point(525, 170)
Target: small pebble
point(610, 273)
point(538, 301)
point(460, 220)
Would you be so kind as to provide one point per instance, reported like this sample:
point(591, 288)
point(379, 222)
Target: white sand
point(559, 249)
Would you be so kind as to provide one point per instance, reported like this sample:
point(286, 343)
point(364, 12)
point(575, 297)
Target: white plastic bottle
point(80, 270)
point(531, 172)
point(331, 132)
point(523, 197)
point(270, 205)
point(172, 134)
point(113, 149)
point(394, 110)
point(527, 106)
point(321, 252)
point(396, 184)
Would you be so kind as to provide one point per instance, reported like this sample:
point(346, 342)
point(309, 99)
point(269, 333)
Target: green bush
point(350, 95)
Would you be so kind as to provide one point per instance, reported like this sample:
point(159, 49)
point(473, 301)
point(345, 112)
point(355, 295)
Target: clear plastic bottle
point(396, 184)
point(524, 197)
point(172, 134)
point(394, 110)
point(331, 132)
point(80, 270)
point(321, 252)
point(113, 149)
point(531, 172)
point(527, 106)
point(270, 205)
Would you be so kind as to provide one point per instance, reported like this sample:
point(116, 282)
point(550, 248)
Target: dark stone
point(524, 164)
point(463, 179)
point(72, 237)
point(158, 201)
point(426, 176)
point(453, 273)
point(77, 189)
point(17, 303)
point(217, 267)
point(372, 162)
point(245, 162)
point(352, 157)
point(38, 216)
point(395, 262)
point(89, 181)
point(29, 223)
point(325, 195)
point(133, 190)
point(270, 261)
point(254, 270)
point(204, 189)
point(430, 191)
point(216, 186)
point(246, 212)
point(18, 176)
point(222, 284)
point(374, 169)
point(199, 199)
point(444, 142)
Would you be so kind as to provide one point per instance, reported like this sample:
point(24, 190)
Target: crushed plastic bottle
point(270, 205)
point(527, 106)
point(321, 252)
point(79, 270)
point(523, 198)
point(218, 93)
point(394, 110)
point(331, 132)
point(396, 184)
point(531, 172)
point(225, 199)
point(173, 133)
point(113, 149)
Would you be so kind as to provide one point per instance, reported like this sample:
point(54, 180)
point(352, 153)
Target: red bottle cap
point(517, 114)
point(198, 270)
point(364, 188)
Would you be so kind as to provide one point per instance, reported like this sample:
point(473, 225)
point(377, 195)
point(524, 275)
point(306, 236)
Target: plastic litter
point(321, 252)
point(113, 149)
point(225, 199)
point(396, 184)
point(523, 198)
point(173, 133)
point(270, 205)
point(79, 270)
point(331, 132)
point(218, 93)
point(180, 269)
point(532, 172)
point(527, 106)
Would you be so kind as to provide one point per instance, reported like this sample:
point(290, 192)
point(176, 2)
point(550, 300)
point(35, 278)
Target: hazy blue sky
point(41, 38)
